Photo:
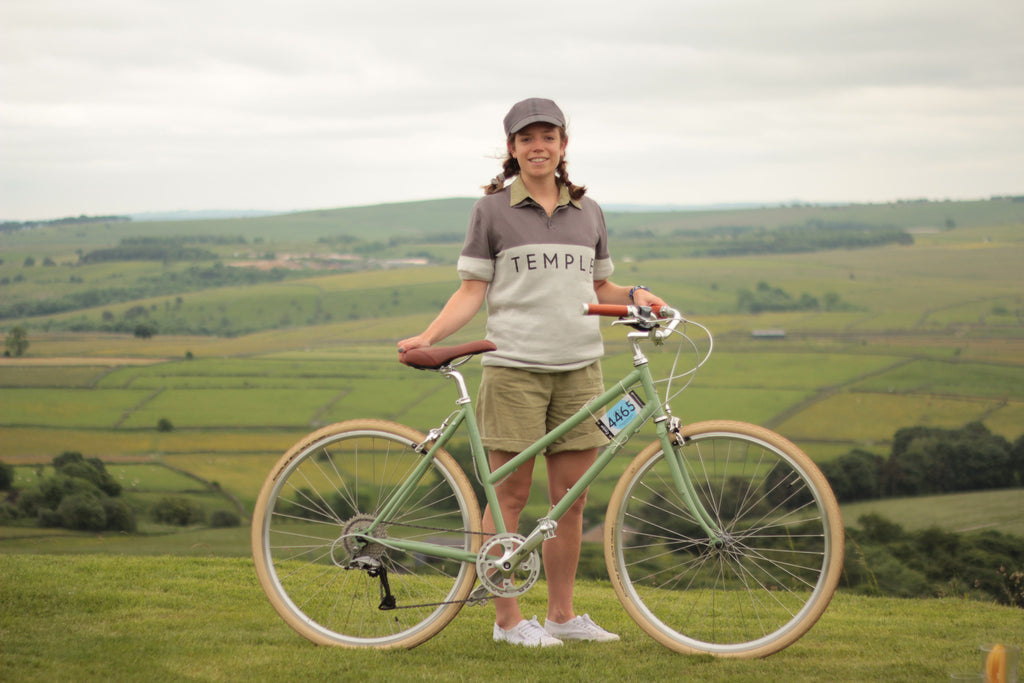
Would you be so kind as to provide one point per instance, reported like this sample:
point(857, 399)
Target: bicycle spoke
point(326, 560)
point(765, 577)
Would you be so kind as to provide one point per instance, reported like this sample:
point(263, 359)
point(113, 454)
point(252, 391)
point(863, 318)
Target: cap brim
point(536, 118)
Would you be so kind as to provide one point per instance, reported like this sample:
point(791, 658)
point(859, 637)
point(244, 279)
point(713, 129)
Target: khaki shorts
point(517, 407)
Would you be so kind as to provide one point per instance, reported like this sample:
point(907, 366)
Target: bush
point(8, 512)
point(30, 503)
point(927, 460)
point(1017, 459)
point(144, 330)
point(1014, 586)
point(93, 472)
point(6, 476)
point(934, 460)
point(50, 519)
point(54, 489)
point(878, 529)
point(885, 559)
point(82, 512)
point(178, 510)
point(80, 495)
point(120, 517)
point(164, 425)
point(223, 519)
point(878, 572)
point(855, 476)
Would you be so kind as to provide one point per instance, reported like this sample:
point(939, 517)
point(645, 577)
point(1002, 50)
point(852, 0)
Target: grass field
point(1001, 510)
point(68, 407)
point(200, 619)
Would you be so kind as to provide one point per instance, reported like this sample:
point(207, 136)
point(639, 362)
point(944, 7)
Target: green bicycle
point(720, 537)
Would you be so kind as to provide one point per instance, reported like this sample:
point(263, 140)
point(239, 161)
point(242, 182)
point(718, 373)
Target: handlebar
point(623, 311)
point(655, 322)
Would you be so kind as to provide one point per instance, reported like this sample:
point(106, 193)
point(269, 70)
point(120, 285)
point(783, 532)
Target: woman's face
point(538, 148)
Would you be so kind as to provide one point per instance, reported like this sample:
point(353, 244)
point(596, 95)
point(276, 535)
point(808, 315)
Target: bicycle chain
point(449, 602)
point(437, 528)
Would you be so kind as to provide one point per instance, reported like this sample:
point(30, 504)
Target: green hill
point(290, 322)
point(245, 360)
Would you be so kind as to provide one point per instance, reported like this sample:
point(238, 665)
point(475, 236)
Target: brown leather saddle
point(436, 357)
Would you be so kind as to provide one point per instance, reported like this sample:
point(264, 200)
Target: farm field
point(1001, 510)
point(928, 334)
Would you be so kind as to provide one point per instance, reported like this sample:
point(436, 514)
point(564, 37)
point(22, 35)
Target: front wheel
point(768, 577)
point(313, 519)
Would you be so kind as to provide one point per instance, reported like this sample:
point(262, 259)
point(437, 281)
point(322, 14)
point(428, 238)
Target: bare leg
point(513, 493)
point(561, 554)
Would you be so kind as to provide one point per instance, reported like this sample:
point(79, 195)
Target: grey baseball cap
point(533, 110)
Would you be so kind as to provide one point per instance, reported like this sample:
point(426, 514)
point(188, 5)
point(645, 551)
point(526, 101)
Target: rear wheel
point(770, 576)
point(322, 576)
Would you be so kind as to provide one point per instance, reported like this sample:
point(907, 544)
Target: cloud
point(135, 105)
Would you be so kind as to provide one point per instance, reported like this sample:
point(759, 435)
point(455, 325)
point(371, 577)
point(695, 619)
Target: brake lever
point(643, 319)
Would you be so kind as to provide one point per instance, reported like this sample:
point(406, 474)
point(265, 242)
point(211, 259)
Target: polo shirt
point(540, 269)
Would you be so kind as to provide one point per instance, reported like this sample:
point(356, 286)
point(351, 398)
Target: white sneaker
point(580, 628)
point(526, 633)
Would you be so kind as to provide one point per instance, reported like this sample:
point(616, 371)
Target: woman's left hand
point(642, 297)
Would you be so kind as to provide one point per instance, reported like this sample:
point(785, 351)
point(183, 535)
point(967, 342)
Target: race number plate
point(620, 414)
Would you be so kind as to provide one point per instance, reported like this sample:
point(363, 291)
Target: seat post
point(460, 381)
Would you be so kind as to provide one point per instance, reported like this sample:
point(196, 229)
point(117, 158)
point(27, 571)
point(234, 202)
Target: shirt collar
point(518, 193)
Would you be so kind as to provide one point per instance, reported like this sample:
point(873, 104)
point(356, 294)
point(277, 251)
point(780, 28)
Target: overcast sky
point(123, 106)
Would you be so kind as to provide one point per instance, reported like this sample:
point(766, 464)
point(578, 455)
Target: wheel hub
point(353, 538)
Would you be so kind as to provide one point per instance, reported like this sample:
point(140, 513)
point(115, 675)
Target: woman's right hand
point(412, 343)
point(460, 309)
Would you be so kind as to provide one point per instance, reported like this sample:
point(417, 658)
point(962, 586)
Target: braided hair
point(510, 169)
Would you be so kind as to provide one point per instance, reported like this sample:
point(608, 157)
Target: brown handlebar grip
point(616, 310)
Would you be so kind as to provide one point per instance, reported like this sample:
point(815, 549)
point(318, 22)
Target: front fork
point(672, 443)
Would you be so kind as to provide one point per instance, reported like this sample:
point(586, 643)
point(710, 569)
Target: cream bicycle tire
point(770, 581)
point(318, 494)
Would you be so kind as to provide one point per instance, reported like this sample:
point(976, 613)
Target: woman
point(535, 251)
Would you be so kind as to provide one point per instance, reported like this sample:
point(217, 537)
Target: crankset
point(496, 572)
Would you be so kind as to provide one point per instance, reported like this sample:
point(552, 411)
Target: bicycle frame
point(666, 427)
point(722, 537)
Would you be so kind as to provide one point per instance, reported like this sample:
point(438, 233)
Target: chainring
point(499, 579)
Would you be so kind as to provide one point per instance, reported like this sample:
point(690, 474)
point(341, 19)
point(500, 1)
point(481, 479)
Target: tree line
point(883, 558)
point(929, 460)
point(164, 249)
point(738, 240)
point(83, 496)
point(14, 226)
point(165, 253)
point(813, 235)
point(767, 298)
point(193, 278)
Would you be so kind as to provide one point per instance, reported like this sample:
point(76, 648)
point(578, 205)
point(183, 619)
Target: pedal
point(547, 527)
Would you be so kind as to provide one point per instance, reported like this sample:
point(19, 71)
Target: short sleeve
point(476, 261)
